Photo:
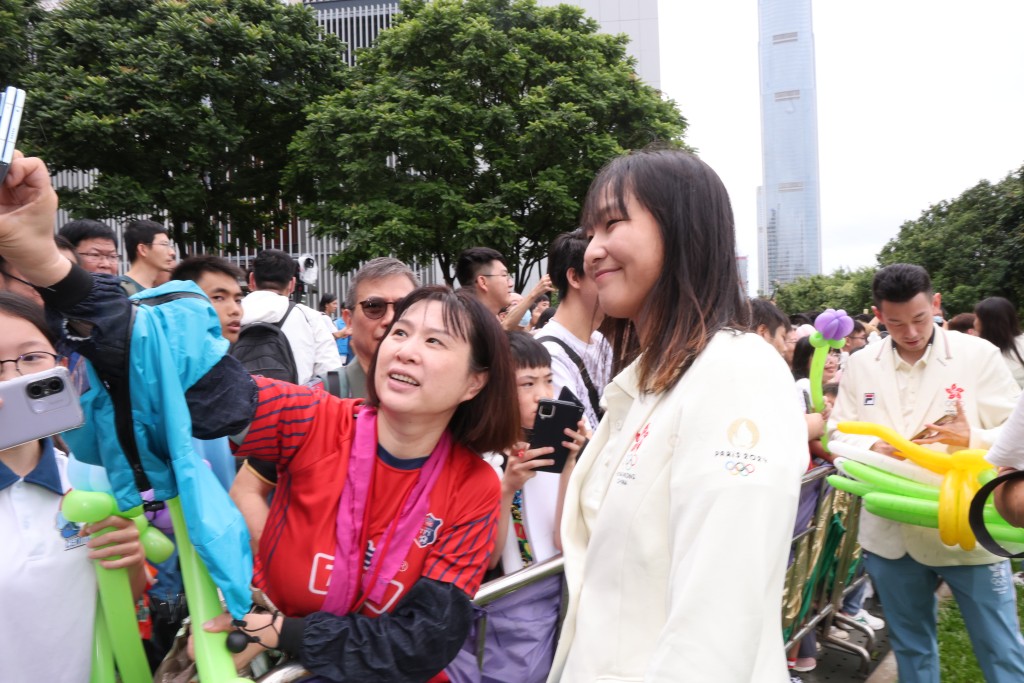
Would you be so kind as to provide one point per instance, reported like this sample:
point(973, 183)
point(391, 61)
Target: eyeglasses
point(857, 336)
point(375, 307)
point(99, 256)
point(507, 276)
point(33, 361)
point(161, 244)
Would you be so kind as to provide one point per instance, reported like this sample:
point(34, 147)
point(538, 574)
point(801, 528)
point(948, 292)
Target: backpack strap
point(121, 396)
point(280, 323)
point(976, 516)
point(595, 398)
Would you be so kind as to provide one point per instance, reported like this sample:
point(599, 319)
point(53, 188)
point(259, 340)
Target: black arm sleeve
point(409, 645)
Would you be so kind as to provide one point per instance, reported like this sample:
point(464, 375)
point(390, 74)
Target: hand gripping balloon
point(831, 327)
point(117, 632)
point(908, 491)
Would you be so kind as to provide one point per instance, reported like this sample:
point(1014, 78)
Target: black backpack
point(262, 349)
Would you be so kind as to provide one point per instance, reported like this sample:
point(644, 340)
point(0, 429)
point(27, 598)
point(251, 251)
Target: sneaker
point(804, 664)
point(1018, 579)
point(867, 619)
point(839, 633)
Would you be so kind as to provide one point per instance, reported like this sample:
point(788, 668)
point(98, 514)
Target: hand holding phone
point(12, 102)
point(38, 405)
point(927, 433)
point(553, 418)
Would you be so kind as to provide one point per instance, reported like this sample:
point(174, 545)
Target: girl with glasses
point(47, 579)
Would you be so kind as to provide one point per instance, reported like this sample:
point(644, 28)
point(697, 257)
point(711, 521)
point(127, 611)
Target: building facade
point(789, 215)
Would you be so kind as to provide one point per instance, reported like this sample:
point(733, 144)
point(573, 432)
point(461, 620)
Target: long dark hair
point(999, 324)
point(490, 420)
point(698, 291)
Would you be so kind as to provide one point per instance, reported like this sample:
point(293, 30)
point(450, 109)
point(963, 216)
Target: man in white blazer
point(907, 382)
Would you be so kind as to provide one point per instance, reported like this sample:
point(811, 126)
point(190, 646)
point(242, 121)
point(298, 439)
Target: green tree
point(973, 245)
point(849, 290)
point(17, 19)
point(185, 108)
point(473, 122)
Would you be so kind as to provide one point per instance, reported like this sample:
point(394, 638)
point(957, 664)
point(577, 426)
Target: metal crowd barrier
point(826, 557)
point(826, 548)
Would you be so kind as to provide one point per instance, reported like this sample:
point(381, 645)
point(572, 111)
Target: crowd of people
point(387, 468)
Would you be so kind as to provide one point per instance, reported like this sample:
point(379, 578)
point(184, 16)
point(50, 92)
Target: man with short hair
point(581, 357)
point(219, 279)
point(919, 373)
point(151, 255)
point(271, 283)
point(95, 245)
point(771, 324)
point(368, 310)
point(484, 271)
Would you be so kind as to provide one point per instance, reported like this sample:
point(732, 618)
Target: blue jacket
point(172, 346)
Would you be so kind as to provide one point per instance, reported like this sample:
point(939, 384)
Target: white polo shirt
point(47, 582)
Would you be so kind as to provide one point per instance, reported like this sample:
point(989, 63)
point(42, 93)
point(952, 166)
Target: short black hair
point(86, 228)
point(566, 252)
point(141, 232)
point(273, 269)
point(900, 283)
point(472, 260)
point(527, 352)
point(830, 389)
point(193, 268)
point(764, 312)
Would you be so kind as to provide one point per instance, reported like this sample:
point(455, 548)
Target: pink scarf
point(347, 576)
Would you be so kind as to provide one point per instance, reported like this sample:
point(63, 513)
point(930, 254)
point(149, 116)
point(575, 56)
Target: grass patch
point(956, 656)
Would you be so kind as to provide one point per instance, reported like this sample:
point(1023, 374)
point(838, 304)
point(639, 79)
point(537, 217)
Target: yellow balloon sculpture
point(963, 473)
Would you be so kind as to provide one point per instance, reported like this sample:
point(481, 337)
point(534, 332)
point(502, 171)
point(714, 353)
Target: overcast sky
point(917, 101)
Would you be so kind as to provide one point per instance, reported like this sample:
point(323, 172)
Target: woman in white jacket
point(679, 514)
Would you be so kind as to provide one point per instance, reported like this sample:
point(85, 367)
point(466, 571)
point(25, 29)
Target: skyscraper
point(638, 19)
point(789, 215)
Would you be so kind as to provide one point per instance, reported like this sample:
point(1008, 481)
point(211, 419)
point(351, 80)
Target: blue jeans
point(987, 600)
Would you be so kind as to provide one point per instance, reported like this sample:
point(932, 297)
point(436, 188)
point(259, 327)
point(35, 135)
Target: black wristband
point(70, 291)
point(290, 638)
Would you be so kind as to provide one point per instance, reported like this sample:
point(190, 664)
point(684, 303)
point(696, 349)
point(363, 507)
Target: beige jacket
point(678, 522)
point(957, 365)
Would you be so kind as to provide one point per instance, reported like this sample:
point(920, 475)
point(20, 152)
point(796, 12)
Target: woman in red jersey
point(384, 516)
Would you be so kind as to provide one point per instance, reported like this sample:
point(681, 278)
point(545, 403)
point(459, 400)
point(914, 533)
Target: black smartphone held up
point(553, 416)
point(38, 405)
point(12, 102)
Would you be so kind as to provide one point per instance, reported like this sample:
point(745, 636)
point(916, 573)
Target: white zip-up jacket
point(312, 345)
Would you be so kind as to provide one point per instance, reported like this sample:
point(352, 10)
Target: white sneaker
point(867, 619)
point(839, 633)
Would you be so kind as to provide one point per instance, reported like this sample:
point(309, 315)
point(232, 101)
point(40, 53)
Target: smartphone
point(929, 433)
point(38, 405)
point(553, 416)
point(12, 102)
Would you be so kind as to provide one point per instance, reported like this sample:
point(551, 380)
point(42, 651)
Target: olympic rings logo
point(742, 469)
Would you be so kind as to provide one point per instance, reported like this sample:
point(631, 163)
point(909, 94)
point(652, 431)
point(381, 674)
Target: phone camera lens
point(55, 385)
point(35, 390)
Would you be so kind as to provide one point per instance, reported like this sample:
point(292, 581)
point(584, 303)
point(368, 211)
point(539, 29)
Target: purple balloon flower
point(833, 324)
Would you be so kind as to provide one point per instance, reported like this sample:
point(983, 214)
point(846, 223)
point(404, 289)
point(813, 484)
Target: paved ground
point(838, 666)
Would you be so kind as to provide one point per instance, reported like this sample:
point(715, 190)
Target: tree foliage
point(17, 19)
point(849, 290)
point(184, 107)
point(473, 122)
point(973, 245)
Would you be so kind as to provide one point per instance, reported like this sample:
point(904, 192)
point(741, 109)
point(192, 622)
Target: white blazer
point(678, 521)
point(957, 366)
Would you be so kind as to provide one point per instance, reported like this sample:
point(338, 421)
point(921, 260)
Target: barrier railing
point(827, 547)
point(826, 557)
